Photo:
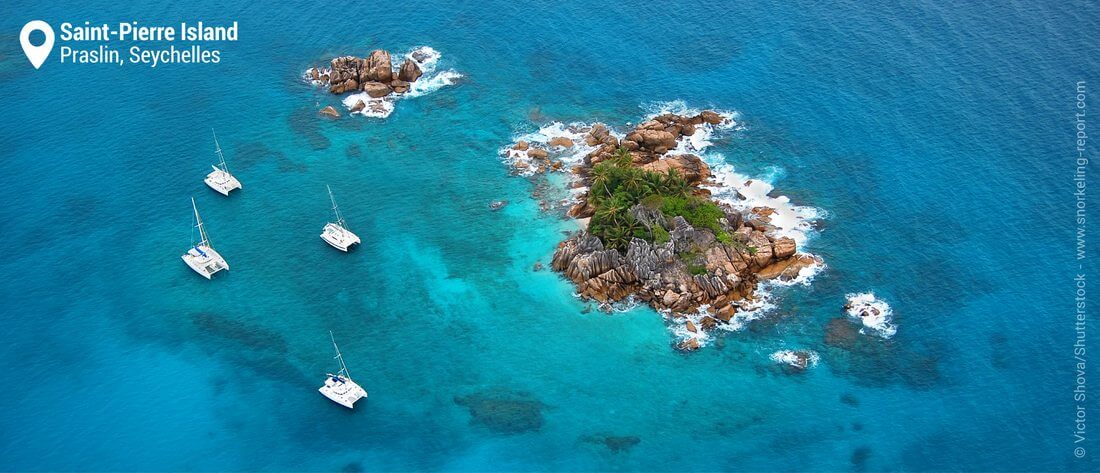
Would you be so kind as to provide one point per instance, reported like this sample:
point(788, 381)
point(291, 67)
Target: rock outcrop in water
point(371, 86)
point(373, 74)
point(711, 267)
point(330, 112)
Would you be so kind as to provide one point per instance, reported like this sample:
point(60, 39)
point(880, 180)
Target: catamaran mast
point(343, 367)
point(218, 151)
point(198, 223)
point(335, 209)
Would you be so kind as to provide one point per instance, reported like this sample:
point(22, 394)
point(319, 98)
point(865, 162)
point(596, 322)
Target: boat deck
point(222, 181)
point(342, 391)
point(339, 237)
point(205, 260)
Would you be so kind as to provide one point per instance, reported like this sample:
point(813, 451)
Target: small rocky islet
point(373, 74)
point(652, 232)
point(375, 80)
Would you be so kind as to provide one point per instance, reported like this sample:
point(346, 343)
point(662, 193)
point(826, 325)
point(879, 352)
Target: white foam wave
point(698, 142)
point(749, 310)
point(762, 302)
point(805, 276)
point(627, 304)
point(875, 314)
point(427, 59)
point(681, 331)
point(795, 358)
point(374, 107)
point(425, 86)
point(617, 307)
point(745, 193)
point(569, 156)
point(321, 71)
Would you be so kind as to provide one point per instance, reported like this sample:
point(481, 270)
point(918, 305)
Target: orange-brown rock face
point(657, 273)
point(373, 75)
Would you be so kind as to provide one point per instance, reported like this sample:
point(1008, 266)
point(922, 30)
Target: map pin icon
point(36, 54)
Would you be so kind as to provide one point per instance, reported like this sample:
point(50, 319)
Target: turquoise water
point(935, 137)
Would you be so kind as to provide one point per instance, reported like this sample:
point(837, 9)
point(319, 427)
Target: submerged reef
point(652, 230)
point(502, 411)
point(613, 443)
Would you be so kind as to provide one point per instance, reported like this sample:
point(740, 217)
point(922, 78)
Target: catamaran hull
point(222, 182)
point(344, 392)
point(339, 238)
point(205, 261)
point(333, 244)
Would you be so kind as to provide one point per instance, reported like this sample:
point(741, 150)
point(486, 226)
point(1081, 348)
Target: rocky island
point(374, 81)
point(652, 232)
point(373, 74)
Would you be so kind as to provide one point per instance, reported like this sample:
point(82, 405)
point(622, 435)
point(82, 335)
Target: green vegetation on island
point(617, 186)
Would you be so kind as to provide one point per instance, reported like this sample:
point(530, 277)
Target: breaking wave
point(875, 314)
point(522, 163)
point(794, 358)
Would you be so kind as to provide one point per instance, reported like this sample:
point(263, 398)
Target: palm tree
point(599, 190)
point(605, 214)
point(634, 228)
point(653, 179)
point(623, 157)
point(613, 209)
point(604, 179)
point(600, 171)
point(618, 237)
point(636, 184)
point(675, 185)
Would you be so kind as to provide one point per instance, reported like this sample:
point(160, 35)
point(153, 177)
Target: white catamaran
point(202, 257)
point(336, 234)
point(220, 179)
point(339, 387)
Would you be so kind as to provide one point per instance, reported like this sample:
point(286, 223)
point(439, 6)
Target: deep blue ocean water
point(937, 137)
